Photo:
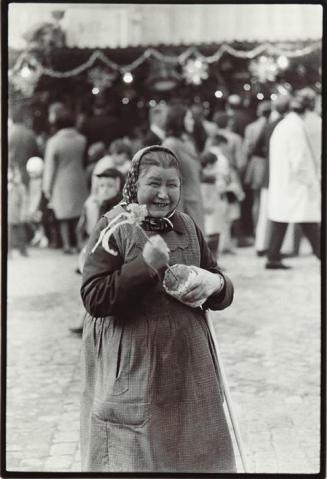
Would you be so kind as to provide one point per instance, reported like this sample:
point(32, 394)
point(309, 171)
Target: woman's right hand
point(156, 252)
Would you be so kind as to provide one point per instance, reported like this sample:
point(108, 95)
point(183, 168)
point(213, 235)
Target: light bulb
point(283, 62)
point(125, 100)
point(246, 87)
point(95, 90)
point(282, 90)
point(128, 77)
point(219, 94)
point(273, 96)
point(260, 96)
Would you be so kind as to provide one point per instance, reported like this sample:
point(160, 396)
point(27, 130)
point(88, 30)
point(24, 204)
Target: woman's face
point(159, 189)
point(189, 122)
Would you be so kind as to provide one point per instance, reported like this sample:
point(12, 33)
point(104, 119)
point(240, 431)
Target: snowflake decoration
point(264, 69)
point(25, 80)
point(101, 78)
point(195, 71)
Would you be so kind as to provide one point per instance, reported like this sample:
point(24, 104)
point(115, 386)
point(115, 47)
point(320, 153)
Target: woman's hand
point(156, 252)
point(203, 285)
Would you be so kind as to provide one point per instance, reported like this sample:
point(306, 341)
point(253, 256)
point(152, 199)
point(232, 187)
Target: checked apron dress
point(151, 398)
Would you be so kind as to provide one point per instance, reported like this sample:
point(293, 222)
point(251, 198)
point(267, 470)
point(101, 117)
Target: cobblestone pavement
point(269, 341)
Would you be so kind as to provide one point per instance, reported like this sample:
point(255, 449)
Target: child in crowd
point(106, 195)
point(17, 214)
point(119, 157)
point(233, 190)
point(213, 188)
point(34, 167)
point(152, 399)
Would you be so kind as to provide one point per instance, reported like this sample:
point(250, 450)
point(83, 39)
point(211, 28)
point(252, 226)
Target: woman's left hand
point(203, 285)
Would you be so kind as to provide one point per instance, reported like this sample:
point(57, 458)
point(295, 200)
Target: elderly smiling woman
point(152, 400)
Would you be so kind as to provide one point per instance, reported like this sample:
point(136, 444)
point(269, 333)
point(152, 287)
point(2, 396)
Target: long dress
point(151, 397)
point(64, 176)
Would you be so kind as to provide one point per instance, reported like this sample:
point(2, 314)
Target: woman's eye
point(154, 184)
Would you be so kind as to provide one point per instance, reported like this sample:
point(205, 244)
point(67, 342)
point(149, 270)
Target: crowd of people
point(245, 181)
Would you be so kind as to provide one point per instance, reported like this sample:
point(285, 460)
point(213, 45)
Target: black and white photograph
point(162, 235)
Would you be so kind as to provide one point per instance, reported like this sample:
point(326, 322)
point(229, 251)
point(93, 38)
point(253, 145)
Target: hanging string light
point(180, 59)
point(195, 72)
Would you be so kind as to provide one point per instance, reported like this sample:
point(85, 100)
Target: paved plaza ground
point(269, 340)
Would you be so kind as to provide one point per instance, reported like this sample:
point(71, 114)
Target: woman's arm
point(109, 285)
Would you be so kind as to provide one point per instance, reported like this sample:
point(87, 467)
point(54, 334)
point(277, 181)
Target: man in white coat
point(294, 194)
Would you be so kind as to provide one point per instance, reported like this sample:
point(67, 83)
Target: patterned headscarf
point(130, 188)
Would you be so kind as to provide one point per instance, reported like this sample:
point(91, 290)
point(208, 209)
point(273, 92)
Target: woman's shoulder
point(113, 213)
point(183, 221)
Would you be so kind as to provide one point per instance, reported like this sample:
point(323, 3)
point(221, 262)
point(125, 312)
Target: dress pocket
point(122, 413)
point(121, 377)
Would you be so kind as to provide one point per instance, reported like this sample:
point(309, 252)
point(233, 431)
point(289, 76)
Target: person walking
point(238, 115)
point(179, 128)
point(64, 181)
point(234, 148)
point(151, 395)
point(214, 180)
point(294, 186)
point(17, 211)
point(254, 155)
point(313, 126)
point(280, 107)
point(22, 143)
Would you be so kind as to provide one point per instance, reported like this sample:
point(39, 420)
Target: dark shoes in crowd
point(276, 265)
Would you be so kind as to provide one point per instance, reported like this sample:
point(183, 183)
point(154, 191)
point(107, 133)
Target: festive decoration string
point(151, 52)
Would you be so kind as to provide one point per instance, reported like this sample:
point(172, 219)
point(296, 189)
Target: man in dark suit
point(156, 133)
point(239, 116)
point(103, 125)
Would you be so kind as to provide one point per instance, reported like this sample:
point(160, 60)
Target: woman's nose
point(162, 193)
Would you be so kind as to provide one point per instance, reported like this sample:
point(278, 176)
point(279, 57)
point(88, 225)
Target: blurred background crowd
point(74, 127)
